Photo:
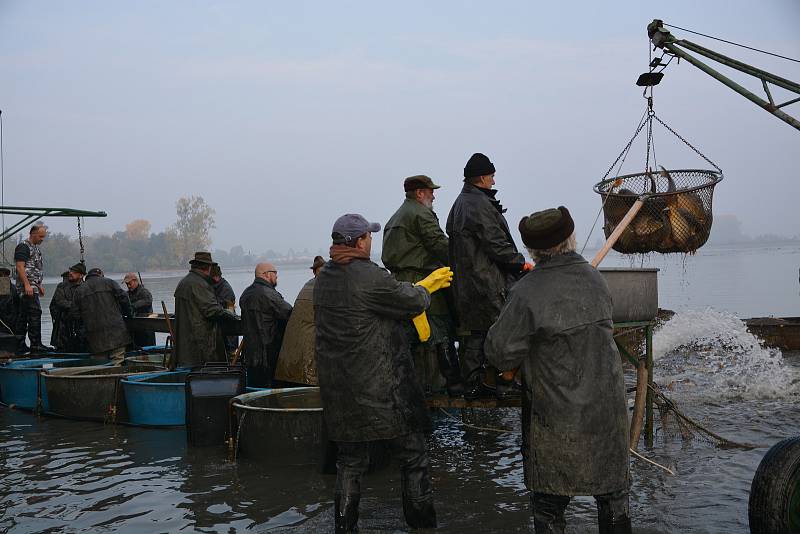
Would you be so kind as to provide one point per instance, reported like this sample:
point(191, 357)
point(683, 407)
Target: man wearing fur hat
point(485, 264)
point(557, 326)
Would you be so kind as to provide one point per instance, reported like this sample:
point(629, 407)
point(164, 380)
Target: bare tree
point(195, 220)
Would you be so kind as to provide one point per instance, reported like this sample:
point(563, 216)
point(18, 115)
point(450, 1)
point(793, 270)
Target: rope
point(733, 43)
point(2, 185)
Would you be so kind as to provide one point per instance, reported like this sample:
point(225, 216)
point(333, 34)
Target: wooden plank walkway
point(443, 401)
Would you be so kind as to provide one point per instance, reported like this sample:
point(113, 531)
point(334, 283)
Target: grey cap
point(350, 227)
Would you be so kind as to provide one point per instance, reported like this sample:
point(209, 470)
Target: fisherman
point(414, 246)
point(142, 304)
point(486, 263)
point(366, 374)
point(224, 294)
point(58, 294)
point(102, 304)
point(67, 335)
point(265, 315)
point(9, 302)
point(296, 362)
point(30, 273)
point(557, 326)
point(198, 316)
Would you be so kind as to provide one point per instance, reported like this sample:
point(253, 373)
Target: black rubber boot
point(476, 388)
point(507, 389)
point(419, 513)
point(346, 513)
point(612, 513)
point(449, 368)
point(548, 513)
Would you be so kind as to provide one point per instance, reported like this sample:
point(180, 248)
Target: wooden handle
point(612, 239)
point(237, 352)
point(173, 362)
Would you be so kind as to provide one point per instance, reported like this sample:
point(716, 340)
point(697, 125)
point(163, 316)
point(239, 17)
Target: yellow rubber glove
point(438, 279)
point(422, 326)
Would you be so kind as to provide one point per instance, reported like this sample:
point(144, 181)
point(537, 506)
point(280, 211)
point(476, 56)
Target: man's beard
point(428, 203)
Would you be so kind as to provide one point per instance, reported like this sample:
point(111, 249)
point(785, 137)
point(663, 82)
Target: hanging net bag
point(676, 215)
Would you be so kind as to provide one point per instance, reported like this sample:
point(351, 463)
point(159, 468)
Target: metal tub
point(90, 393)
point(20, 383)
point(156, 399)
point(634, 292)
point(282, 425)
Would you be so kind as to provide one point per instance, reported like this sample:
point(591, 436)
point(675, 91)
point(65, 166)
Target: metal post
point(648, 426)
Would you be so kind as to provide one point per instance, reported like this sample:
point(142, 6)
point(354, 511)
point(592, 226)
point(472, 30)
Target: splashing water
point(711, 353)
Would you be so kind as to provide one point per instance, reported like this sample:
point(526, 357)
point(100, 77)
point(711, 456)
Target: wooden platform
point(443, 401)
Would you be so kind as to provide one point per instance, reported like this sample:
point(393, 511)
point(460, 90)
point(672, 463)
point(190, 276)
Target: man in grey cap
point(414, 246)
point(198, 316)
point(366, 374)
point(557, 326)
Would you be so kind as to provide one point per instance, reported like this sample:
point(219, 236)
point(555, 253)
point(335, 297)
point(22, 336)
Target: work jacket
point(557, 326)
point(483, 256)
point(9, 304)
point(296, 362)
point(198, 317)
point(366, 374)
point(414, 245)
point(142, 303)
point(68, 332)
point(265, 314)
point(224, 293)
point(101, 304)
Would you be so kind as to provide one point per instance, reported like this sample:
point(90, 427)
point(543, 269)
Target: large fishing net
point(676, 215)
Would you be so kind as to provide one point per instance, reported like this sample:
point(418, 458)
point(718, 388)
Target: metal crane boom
point(662, 38)
point(31, 215)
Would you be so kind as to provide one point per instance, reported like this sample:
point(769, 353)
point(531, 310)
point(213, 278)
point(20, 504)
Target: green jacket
point(414, 245)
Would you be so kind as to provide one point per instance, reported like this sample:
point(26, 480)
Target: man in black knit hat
point(557, 326)
point(485, 263)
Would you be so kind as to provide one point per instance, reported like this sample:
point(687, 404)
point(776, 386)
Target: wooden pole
point(173, 361)
point(637, 421)
point(623, 224)
point(237, 352)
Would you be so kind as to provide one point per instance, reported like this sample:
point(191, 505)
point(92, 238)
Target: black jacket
point(141, 301)
point(557, 325)
point(265, 315)
point(101, 304)
point(366, 374)
point(483, 256)
point(198, 316)
point(68, 333)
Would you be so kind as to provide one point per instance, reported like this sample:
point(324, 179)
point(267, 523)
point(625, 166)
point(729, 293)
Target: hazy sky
point(284, 115)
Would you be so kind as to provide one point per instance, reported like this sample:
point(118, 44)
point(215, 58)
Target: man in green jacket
point(414, 246)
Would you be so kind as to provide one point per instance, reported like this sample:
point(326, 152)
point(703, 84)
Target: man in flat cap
point(142, 303)
point(67, 335)
point(414, 246)
point(297, 361)
point(557, 326)
point(100, 303)
point(366, 374)
point(485, 263)
point(198, 316)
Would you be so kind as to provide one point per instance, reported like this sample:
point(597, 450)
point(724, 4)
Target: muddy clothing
point(198, 332)
point(142, 304)
point(34, 265)
point(68, 333)
point(265, 315)
point(100, 303)
point(224, 294)
point(414, 245)
point(483, 256)
point(296, 362)
point(29, 318)
point(557, 326)
point(141, 301)
point(366, 375)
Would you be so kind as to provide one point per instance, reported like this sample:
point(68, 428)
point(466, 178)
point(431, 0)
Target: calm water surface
point(58, 475)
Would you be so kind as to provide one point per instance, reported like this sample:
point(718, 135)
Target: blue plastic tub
point(20, 382)
point(156, 399)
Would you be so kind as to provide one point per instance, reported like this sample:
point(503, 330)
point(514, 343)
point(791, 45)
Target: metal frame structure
point(30, 215)
point(662, 38)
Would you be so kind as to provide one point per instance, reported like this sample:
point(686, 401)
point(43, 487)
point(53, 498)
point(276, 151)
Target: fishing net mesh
point(676, 217)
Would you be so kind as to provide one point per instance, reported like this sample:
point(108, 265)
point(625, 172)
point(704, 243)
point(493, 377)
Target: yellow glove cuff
point(422, 326)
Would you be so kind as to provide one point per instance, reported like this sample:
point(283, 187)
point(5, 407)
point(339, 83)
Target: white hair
point(565, 247)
